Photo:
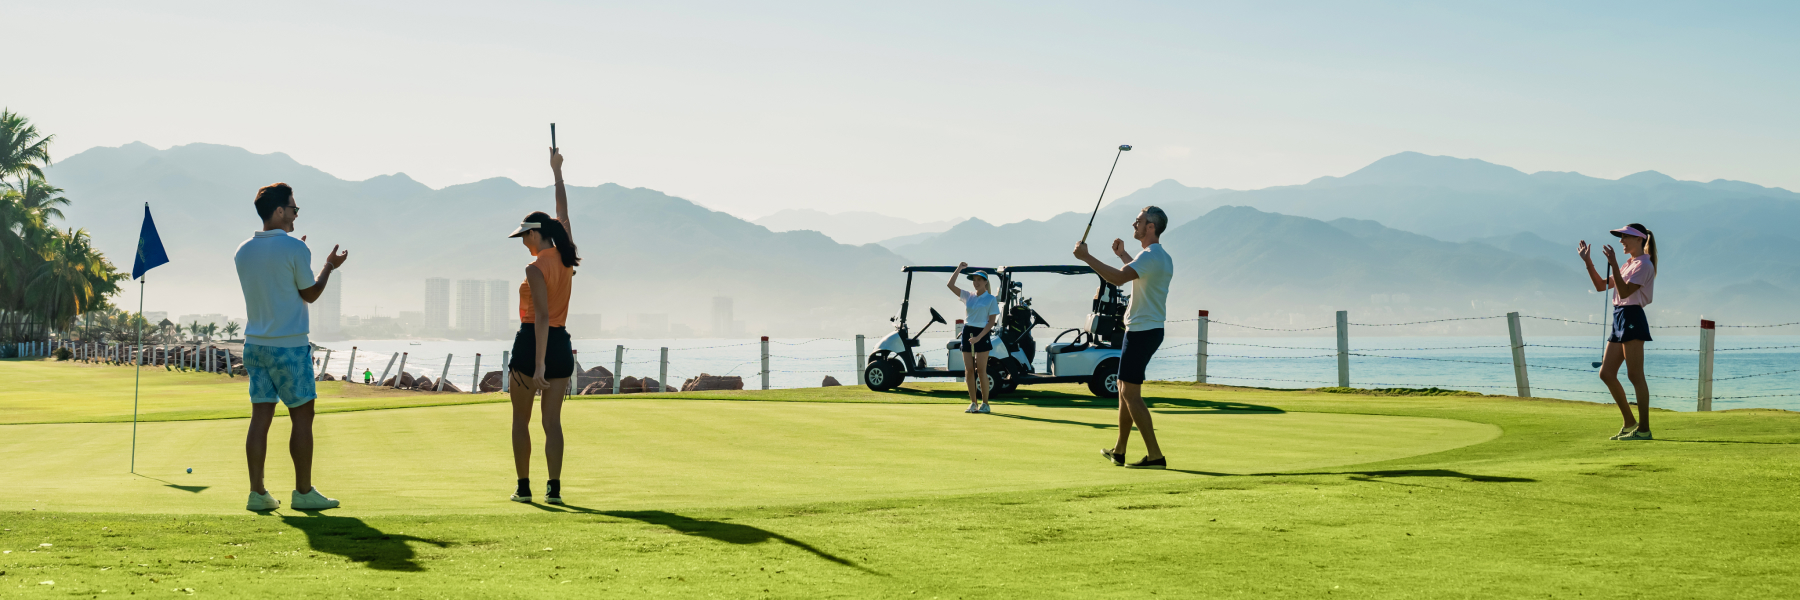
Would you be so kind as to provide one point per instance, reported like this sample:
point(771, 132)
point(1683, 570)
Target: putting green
point(630, 454)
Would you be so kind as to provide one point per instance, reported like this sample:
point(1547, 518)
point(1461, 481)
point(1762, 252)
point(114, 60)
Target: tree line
point(49, 277)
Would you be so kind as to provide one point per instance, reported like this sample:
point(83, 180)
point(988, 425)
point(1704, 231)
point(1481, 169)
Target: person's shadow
point(731, 533)
point(353, 539)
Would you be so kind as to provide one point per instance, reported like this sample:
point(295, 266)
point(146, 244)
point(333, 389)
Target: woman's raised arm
point(562, 196)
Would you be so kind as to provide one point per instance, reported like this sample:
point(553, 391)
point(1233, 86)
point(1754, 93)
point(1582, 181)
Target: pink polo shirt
point(1638, 270)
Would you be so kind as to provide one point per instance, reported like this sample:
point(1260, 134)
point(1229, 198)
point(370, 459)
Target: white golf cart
point(1090, 356)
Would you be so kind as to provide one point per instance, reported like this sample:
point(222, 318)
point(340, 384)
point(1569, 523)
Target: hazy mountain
point(895, 243)
point(643, 251)
point(854, 227)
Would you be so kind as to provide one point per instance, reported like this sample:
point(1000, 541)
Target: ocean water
point(1749, 371)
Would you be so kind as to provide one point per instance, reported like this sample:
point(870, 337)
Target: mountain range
point(1409, 237)
point(853, 227)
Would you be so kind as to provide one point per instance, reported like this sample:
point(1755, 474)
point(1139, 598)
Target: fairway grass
point(842, 492)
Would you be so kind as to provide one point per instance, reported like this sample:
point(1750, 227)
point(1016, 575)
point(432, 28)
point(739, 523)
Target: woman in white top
point(983, 312)
point(1634, 284)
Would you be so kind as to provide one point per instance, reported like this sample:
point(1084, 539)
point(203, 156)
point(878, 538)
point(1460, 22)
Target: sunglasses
point(296, 209)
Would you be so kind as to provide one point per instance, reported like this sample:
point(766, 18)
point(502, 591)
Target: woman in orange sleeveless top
point(542, 359)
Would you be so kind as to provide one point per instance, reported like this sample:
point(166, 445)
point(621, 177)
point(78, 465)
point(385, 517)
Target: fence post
point(402, 373)
point(575, 377)
point(1518, 354)
point(475, 378)
point(387, 369)
point(505, 371)
point(858, 360)
point(618, 365)
point(662, 371)
point(325, 367)
point(229, 372)
point(1706, 365)
point(765, 362)
point(1343, 331)
point(441, 376)
point(1200, 349)
point(350, 373)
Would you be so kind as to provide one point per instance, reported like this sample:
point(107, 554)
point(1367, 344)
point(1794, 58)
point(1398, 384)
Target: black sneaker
point(1146, 463)
point(1118, 460)
point(523, 494)
point(553, 495)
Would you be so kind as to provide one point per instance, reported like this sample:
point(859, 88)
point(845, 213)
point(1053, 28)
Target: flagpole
point(137, 379)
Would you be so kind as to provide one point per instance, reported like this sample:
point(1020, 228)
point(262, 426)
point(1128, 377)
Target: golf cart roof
point(948, 269)
point(1057, 269)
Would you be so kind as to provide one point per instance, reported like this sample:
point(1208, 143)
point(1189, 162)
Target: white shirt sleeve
point(994, 306)
point(303, 273)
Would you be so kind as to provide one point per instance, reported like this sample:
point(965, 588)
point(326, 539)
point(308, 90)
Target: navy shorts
point(559, 356)
point(1629, 323)
point(1135, 357)
point(973, 341)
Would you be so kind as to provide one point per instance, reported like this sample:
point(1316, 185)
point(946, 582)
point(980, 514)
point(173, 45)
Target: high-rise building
point(721, 317)
point(437, 304)
point(471, 305)
point(499, 319)
point(325, 314)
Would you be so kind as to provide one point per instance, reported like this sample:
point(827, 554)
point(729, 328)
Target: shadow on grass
point(353, 539)
point(192, 489)
point(1728, 442)
point(1377, 475)
point(1049, 398)
point(1059, 421)
point(731, 533)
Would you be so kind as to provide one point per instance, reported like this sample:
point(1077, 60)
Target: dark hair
point(1649, 245)
point(271, 197)
point(553, 230)
point(1156, 217)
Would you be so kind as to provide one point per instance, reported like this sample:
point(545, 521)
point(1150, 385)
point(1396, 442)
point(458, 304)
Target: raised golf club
point(553, 138)
point(1123, 148)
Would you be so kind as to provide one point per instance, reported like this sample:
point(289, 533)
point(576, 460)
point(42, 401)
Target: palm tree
point(22, 150)
point(194, 330)
point(210, 329)
point(231, 330)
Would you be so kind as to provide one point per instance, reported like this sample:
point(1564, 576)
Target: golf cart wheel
point(1105, 380)
point(1000, 379)
point(883, 375)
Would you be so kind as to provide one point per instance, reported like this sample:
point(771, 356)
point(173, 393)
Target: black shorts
point(559, 357)
point(973, 341)
point(1135, 356)
point(1629, 323)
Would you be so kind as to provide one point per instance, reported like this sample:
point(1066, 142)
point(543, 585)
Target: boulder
point(829, 382)
point(490, 382)
point(631, 385)
point(326, 377)
point(652, 386)
point(451, 387)
point(707, 382)
point(406, 381)
point(424, 383)
point(592, 376)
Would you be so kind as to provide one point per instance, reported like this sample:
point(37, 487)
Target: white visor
point(524, 227)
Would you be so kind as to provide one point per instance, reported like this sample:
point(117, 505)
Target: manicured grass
point(808, 499)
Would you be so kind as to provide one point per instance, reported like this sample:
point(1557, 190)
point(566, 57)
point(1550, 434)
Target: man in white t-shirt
point(1149, 275)
point(275, 271)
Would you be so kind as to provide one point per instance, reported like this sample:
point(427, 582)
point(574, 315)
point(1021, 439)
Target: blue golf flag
point(150, 253)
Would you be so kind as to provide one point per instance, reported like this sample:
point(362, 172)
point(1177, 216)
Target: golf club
point(1123, 148)
point(1604, 313)
point(553, 138)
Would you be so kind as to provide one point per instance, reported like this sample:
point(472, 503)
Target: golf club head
point(1124, 147)
point(1596, 364)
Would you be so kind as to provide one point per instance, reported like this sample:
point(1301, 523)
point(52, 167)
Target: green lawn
point(843, 492)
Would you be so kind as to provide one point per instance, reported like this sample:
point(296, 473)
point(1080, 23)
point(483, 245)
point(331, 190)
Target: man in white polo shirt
point(275, 271)
point(1149, 274)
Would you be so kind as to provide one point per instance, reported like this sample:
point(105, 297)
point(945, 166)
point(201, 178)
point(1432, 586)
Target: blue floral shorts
point(284, 374)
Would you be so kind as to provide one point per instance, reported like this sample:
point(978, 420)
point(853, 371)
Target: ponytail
point(1649, 246)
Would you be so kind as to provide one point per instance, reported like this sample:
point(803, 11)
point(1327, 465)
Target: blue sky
point(1002, 111)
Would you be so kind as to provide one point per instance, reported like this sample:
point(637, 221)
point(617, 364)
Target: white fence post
point(505, 371)
point(1343, 353)
point(475, 378)
point(765, 362)
point(858, 360)
point(325, 367)
point(618, 368)
point(1706, 365)
point(662, 370)
point(402, 373)
point(350, 373)
point(387, 369)
point(575, 376)
point(1200, 349)
point(441, 376)
point(1518, 354)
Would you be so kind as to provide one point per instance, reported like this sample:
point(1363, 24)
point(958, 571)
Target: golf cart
point(1090, 355)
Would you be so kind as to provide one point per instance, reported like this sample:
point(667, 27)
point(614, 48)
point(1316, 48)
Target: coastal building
point(471, 306)
point(437, 304)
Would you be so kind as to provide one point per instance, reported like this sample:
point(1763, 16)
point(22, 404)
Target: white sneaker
point(971, 407)
point(262, 502)
point(983, 410)
point(312, 500)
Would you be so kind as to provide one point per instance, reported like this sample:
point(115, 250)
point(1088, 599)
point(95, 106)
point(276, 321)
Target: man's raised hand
point(336, 259)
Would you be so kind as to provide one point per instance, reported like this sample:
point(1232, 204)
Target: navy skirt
point(1629, 324)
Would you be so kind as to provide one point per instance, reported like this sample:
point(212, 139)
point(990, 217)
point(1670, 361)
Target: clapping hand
point(1612, 260)
point(1584, 250)
point(336, 259)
